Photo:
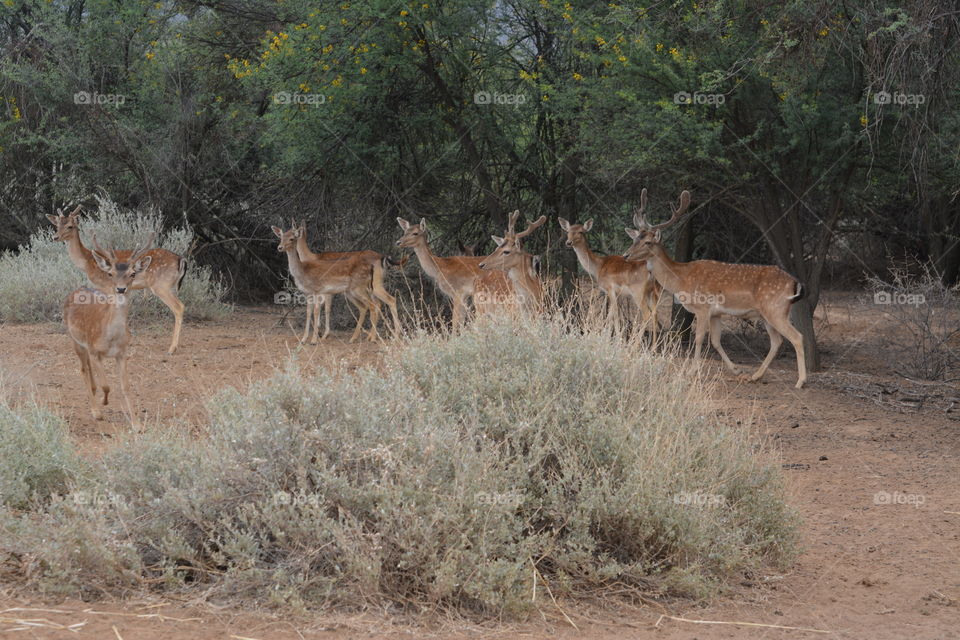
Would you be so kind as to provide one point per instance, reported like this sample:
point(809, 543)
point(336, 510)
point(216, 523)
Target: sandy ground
point(872, 468)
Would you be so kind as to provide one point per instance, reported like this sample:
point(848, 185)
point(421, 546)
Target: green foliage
point(446, 479)
point(36, 280)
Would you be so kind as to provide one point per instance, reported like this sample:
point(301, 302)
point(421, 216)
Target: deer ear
point(588, 225)
point(498, 240)
point(143, 263)
point(101, 262)
point(403, 224)
point(633, 233)
point(52, 218)
point(277, 231)
point(297, 232)
point(657, 236)
point(423, 224)
point(564, 224)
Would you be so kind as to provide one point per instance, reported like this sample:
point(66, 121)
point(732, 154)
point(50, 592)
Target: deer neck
point(427, 260)
point(587, 258)
point(296, 266)
point(526, 283)
point(80, 256)
point(303, 250)
point(668, 272)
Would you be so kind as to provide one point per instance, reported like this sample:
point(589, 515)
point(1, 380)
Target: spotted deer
point(711, 289)
point(163, 276)
point(616, 276)
point(378, 263)
point(96, 321)
point(510, 257)
point(320, 279)
point(459, 277)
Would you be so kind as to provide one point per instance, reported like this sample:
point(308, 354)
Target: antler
point(512, 222)
point(676, 212)
point(638, 220)
point(143, 249)
point(532, 227)
point(108, 254)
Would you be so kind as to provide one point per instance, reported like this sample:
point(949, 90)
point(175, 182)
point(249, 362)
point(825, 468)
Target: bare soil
point(871, 465)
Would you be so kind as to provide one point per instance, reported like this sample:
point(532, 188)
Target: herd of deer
point(96, 318)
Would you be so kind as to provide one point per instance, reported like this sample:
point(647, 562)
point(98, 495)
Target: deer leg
point(613, 311)
point(702, 321)
point(306, 322)
point(775, 341)
point(373, 335)
point(318, 299)
point(169, 298)
point(381, 293)
point(715, 334)
point(783, 325)
point(327, 301)
point(362, 311)
point(86, 374)
point(124, 383)
point(457, 312)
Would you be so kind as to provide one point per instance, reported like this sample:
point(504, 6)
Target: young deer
point(614, 276)
point(163, 277)
point(96, 321)
point(710, 289)
point(377, 262)
point(458, 277)
point(510, 257)
point(321, 279)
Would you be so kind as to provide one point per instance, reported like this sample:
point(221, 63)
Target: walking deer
point(319, 279)
point(163, 276)
point(710, 289)
point(96, 321)
point(616, 275)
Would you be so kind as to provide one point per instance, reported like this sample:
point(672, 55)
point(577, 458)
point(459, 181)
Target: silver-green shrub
point(456, 475)
point(35, 279)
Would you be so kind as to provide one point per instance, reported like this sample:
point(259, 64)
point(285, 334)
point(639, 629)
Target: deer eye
point(506, 253)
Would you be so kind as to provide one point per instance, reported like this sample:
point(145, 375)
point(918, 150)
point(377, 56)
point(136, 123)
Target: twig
point(550, 593)
point(743, 624)
point(116, 633)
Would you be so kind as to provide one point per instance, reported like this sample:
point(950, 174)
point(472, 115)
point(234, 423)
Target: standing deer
point(377, 262)
point(96, 321)
point(320, 279)
point(615, 275)
point(710, 289)
point(458, 277)
point(163, 277)
point(510, 257)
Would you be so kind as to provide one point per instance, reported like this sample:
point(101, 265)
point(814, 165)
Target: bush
point(451, 477)
point(35, 280)
point(38, 459)
point(925, 313)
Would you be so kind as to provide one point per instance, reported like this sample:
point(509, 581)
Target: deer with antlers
point(378, 263)
point(321, 279)
point(96, 321)
point(163, 275)
point(459, 277)
point(615, 276)
point(510, 257)
point(711, 289)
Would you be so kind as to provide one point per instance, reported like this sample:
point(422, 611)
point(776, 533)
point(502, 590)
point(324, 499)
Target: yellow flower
point(764, 21)
point(337, 81)
point(363, 70)
point(823, 32)
point(601, 41)
point(659, 46)
point(149, 55)
point(404, 12)
point(674, 52)
point(864, 120)
point(577, 76)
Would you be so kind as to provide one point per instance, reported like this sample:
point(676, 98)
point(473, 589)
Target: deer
point(321, 279)
point(710, 289)
point(458, 277)
point(615, 276)
point(377, 262)
point(510, 257)
point(163, 276)
point(96, 321)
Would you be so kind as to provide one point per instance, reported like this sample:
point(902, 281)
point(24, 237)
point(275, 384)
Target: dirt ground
point(871, 465)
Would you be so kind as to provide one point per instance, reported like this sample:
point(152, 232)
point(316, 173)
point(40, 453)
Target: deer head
point(122, 274)
point(646, 236)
